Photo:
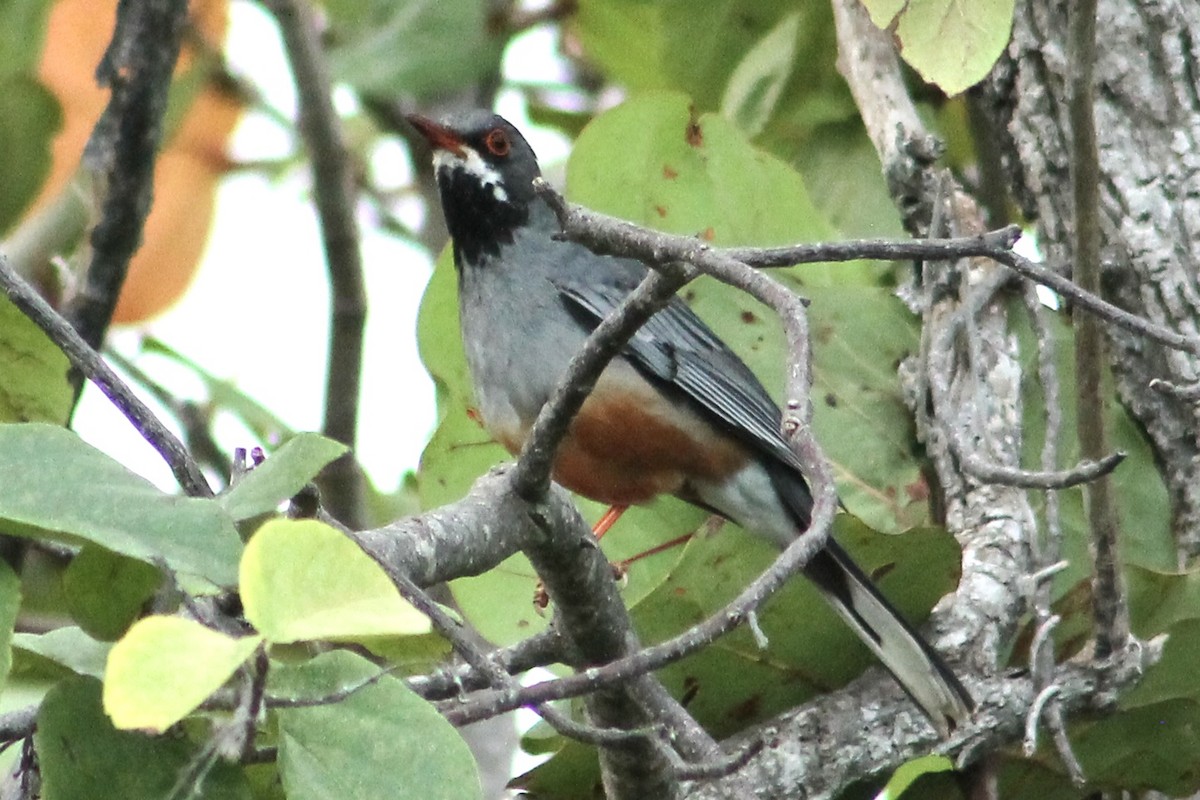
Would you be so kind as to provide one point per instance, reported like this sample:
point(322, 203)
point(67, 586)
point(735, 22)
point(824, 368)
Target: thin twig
point(90, 365)
point(538, 650)
point(718, 767)
point(1062, 743)
point(932, 249)
point(1109, 603)
point(1190, 391)
point(334, 190)
point(1034, 717)
point(532, 473)
point(990, 472)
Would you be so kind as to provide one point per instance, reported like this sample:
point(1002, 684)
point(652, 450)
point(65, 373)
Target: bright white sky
point(257, 313)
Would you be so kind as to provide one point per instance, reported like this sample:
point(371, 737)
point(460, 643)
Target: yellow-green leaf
point(952, 43)
point(164, 667)
point(302, 580)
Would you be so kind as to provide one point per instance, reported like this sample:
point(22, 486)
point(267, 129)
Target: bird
point(677, 412)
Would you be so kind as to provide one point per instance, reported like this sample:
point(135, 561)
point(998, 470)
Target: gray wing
point(675, 348)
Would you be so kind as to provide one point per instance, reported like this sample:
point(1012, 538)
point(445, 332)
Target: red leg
point(608, 520)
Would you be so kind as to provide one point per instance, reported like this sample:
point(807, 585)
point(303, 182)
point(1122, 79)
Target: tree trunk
point(1148, 127)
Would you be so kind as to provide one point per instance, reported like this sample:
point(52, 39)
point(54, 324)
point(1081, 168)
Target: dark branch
point(1109, 602)
point(123, 148)
point(89, 364)
point(334, 188)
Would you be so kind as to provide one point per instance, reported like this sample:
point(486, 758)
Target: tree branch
point(334, 188)
point(1109, 603)
point(123, 148)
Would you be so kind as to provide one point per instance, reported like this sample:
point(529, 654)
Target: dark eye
point(497, 142)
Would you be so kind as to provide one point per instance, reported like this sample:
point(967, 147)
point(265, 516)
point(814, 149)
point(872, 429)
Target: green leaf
point(106, 592)
point(83, 757)
point(22, 31)
point(165, 667)
point(908, 773)
point(624, 38)
point(380, 743)
point(33, 371)
point(413, 46)
point(1174, 676)
point(281, 476)
point(651, 161)
point(69, 647)
point(302, 580)
point(31, 118)
point(54, 485)
point(1141, 494)
point(951, 43)
point(756, 84)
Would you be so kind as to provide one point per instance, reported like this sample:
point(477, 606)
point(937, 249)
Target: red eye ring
point(497, 142)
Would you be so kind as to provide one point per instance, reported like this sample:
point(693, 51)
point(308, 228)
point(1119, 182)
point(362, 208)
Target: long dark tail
point(920, 671)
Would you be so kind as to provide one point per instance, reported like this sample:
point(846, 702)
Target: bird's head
point(485, 171)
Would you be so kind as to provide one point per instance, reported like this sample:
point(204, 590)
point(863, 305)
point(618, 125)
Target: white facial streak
point(473, 164)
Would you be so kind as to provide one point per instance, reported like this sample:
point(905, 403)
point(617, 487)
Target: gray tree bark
point(1148, 125)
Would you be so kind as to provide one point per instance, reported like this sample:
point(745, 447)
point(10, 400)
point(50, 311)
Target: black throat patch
point(478, 219)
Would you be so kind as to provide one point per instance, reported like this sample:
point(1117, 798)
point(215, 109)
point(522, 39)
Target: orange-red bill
point(439, 136)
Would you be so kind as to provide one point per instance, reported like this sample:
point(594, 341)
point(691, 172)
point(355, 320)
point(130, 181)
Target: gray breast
point(517, 334)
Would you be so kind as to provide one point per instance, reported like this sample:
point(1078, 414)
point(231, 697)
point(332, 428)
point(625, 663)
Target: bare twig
point(90, 365)
point(1189, 391)
point(1109, 603)
point(538, 650)
point(1083, 472)
point(932, 249)
point(122, 151)
point(333, 184)
point(1035, 715)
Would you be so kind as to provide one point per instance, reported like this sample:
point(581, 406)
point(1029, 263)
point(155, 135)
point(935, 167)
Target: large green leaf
point(381, 742)
point(83, 757)
point(952, 43)
point(33, 372)
point(31, 118)
point(412, 46)
point(106, 591)
point(69, 647)
point(1141, 495)
point(52, 484)
point(22, 31)
point(652, 161)
point(302, 580)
